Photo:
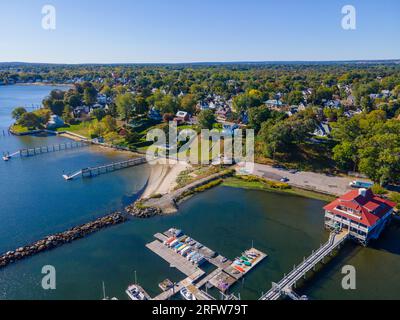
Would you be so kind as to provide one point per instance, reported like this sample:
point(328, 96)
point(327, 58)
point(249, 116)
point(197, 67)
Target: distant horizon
point(208, 62)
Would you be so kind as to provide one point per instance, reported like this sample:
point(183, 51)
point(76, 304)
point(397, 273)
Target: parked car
point(361, 184)
point(284, 180)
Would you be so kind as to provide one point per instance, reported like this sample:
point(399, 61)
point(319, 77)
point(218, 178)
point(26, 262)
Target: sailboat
point(104, 294)
point(136, 292)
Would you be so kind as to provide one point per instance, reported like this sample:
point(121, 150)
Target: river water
point(35, 201)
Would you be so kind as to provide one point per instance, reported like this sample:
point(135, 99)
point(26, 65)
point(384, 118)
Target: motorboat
point(136, 293)
point(187, 295)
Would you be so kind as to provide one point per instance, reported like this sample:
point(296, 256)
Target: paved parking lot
point(309, 180)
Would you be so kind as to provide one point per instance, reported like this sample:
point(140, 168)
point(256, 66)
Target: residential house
point(323, 130)
point(54, 122)
point(155, 115)
point(274, 104)
point(181, 117)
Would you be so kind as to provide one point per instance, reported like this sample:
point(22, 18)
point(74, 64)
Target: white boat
point(6, 158)
point(136, 293)
point(105, 298)
point(187, 295)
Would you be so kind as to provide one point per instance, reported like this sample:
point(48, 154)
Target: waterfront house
point(361, 212)
point(54, 122)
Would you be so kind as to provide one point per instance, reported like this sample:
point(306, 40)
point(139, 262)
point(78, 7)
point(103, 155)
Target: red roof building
point(361, 212)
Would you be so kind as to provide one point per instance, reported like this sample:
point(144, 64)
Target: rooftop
point(361, 206)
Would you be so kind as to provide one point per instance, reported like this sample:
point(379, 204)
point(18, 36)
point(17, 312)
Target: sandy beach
point(163, 177)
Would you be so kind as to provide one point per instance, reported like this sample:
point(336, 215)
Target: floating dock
point(223, 277)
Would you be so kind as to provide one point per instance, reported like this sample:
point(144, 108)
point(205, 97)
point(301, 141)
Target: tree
point(125, 105)
point(257, 116)
point(345, 155)
point(99, 113)
point(90, 95)
point(67, 114)
point(367, 104)
point(188, 103)
point(18, 112)
point(167, 104)
point(285, 136)
point(57, 95)
point(56, 106)
point(109, 123)
point(73, 99)
point(29, 120)
point(141, 106)
point(206, 119)
point(295, 97)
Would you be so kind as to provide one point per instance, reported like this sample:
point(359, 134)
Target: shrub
point(395, 197)
point(379, 190)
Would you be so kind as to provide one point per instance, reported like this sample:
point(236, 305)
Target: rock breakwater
point(57, 240)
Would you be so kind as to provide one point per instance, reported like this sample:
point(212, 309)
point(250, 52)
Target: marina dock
point(286, 285)
point(222, 278)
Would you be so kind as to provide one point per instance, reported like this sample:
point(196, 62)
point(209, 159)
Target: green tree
point(206, 119)
point(67, 114)
point(345, 155)
point(29, 120)
point(125, 105)
point(18, 112)
point(188, 103)
point(109, 123)
point(99, 114)
point(90, 95)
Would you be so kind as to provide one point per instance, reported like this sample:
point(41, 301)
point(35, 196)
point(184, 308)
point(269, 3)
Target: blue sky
point(139, 31)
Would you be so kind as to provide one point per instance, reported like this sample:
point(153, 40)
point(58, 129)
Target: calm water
point(36, 201)
point(28, 97)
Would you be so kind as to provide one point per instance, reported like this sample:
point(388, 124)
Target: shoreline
point(40, 84)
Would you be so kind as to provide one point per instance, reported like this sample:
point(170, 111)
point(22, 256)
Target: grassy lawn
point(200, 172)
point(81, 129)
point(236, 182)
point(19, 129)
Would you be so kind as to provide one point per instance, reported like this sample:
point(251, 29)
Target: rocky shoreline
point(137, 210)
point(57, 240)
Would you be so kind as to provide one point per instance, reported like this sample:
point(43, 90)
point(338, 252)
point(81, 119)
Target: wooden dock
point(222, 278)
point(96, 171)
point(174, 259)
point(31, 152)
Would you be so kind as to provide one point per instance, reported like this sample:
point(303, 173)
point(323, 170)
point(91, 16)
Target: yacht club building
point(361, 212)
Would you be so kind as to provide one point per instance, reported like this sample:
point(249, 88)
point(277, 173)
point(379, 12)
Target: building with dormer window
point(361, 212)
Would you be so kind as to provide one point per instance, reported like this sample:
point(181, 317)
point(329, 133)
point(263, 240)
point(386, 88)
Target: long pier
point(285, 286)
point(95, 171)
point(44, 149)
